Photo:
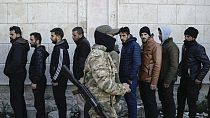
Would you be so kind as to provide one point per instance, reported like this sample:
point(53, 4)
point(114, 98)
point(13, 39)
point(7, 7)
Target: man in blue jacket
point(192, 69)
point(130, 62)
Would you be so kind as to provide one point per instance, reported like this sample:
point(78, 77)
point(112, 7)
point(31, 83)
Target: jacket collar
point(130, 39)
point(150, 40)
point(189, 43)
point(79, 40)
point(167, 40)
point(99, 47)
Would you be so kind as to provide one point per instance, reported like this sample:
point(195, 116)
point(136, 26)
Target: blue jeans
point(131, 101)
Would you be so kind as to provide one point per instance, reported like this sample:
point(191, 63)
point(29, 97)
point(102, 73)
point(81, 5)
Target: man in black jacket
point(37, 73)
point(192, 69)
point(59, 57)
point(16, 71)
point(80, 54)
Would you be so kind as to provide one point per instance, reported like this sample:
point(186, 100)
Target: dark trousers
point(60, 97)
point(149, 100)
point(208, 99)
point(39, 102)
point(189, 91)
point(131, 101)
point(17, 100)
point(87, 107)
point(166, 97)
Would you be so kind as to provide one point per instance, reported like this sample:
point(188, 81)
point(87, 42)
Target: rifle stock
point(88, 96)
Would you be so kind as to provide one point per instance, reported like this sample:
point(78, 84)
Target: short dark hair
point(125, 30)
point(37, 36)
point(16, 29)
point(159, 29)
point(79, 30)
point(58, 31)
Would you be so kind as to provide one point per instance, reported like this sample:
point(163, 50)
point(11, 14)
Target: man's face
point(188, 38)
point(124, 37)
point(13, 35)
point(160, 35)
point(33, 41)
point(54, 38)
point(76, 36)
point(144, 37)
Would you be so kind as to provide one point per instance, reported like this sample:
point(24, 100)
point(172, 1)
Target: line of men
point(152, 66)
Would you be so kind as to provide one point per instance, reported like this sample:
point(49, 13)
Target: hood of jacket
point(166, 32)
point(79, 40)
point(43, 49)
point(23, 42)
point(129, 40)
point(63, 43)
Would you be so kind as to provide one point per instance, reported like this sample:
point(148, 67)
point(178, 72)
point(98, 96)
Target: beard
point(54, 42)
point(33, 45)
point(12, 40)
point(144, 40)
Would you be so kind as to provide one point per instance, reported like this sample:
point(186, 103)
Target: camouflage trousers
point(111, 113)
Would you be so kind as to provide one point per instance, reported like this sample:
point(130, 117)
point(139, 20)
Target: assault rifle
point(85, 93)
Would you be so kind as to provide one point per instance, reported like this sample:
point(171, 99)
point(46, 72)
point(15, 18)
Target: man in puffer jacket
point(130, 62)
point(15, 70)
point(192, 69)
point(150, 71)
point(37, 73)
point(168, 73)
point(100, 71)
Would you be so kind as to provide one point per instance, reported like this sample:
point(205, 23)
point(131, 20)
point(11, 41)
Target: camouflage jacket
point(99, 77)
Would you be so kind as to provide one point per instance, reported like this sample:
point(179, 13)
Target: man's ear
point(37, 42)
point(80, 35)
point(58, 37)
point(18, 35)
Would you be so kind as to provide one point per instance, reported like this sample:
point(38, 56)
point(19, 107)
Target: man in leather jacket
point(149, 72)
point(37, 73)
point(192, 69)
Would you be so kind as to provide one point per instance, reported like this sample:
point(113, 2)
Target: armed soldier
point(99, 72)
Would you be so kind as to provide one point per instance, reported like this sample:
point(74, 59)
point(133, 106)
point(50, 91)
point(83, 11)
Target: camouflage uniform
point(115, 58)
point(100, 79)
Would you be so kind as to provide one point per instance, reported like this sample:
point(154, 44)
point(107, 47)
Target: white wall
point(43, 15)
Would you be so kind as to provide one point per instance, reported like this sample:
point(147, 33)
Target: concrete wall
point(43, 15)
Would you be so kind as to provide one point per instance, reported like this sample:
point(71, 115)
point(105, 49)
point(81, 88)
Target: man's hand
point(153, 87)
point(55, 83)
point(197, 81)
point(128, 90)
point(130, 82)
point(166, 85)
point(33, 86)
